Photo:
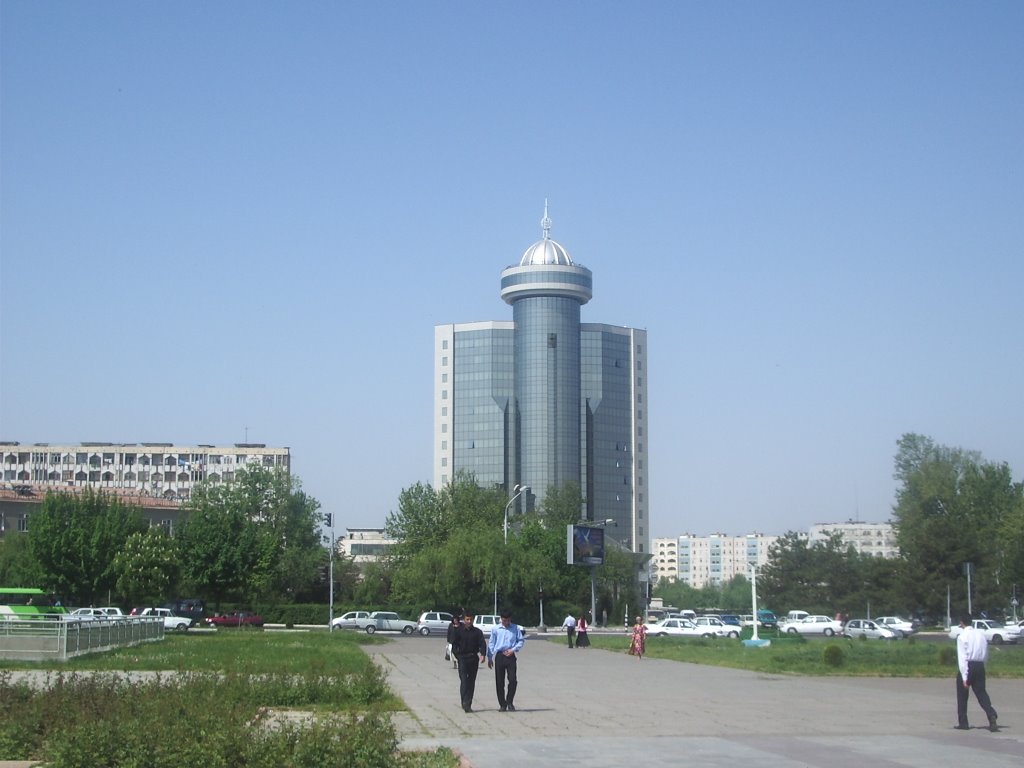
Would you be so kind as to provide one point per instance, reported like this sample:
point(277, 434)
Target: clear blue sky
point(237, 220)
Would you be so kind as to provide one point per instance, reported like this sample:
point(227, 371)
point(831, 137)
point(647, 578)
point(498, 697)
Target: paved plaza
point(602, 709)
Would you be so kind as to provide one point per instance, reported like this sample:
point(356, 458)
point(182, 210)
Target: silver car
point(436, 622)
point(869, 629)
point(388, 621)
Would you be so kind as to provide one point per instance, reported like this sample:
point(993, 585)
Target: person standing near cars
point(971, 655)
point(506, 641)
point(470, 648)
point(569, 625)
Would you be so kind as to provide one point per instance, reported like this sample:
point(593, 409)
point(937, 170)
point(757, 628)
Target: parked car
point(486, 622)
point(767, 619)
point(715, 626)
point(897, 624)
point(815, 625)
point(388, 621)
point(677, 628)
point(352, 620)
point(995, 631)
point(172, 622)
point(235, 619)
point(108, 613)
point(731, 619)
point(434, 621)
point(870, 629)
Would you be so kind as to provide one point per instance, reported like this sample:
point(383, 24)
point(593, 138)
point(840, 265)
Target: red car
point(235, 619)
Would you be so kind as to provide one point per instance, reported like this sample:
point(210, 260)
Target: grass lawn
point(223, 706)
point(867, 658)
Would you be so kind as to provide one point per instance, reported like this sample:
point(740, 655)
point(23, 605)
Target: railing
point(58, 638)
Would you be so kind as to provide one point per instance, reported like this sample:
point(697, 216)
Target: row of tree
point(257, 539)
point(952, 509)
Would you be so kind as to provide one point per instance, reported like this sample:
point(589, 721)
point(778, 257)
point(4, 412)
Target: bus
point(26, 602)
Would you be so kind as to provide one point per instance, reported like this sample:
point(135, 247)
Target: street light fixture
point(517, 491)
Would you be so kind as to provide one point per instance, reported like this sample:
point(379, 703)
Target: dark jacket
point(469, 641)
point(452, 629)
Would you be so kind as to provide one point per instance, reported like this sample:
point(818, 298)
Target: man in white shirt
point(971, 655)
point(569, 625)
point(506, 641)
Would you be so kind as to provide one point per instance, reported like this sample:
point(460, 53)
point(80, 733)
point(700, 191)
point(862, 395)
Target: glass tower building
point(546, 400)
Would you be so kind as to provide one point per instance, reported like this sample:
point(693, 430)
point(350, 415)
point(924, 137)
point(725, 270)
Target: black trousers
point(976, 676)
point(505, 666)
point(468, 666)
point(570, 632)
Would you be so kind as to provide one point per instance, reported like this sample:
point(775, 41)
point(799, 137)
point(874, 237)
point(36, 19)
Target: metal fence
point(60, 638)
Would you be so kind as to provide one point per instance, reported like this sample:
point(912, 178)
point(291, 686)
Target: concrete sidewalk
point(604, 710)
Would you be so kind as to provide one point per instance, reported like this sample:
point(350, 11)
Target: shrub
point(947, 656)
point(833, 655)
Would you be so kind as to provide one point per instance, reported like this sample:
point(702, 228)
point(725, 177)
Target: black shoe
point(992, 724)
point(962, 727)
point(511, 708)
point(501, 709)
point(467, 709)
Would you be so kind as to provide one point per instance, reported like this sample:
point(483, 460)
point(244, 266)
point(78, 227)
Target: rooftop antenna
point(545, 223)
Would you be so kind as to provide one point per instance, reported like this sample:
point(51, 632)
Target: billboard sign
point(584, 545)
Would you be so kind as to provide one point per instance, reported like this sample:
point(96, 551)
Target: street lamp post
point(330, 576)
point(517, 491)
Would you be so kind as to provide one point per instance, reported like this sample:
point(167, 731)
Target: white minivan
point(486, 622)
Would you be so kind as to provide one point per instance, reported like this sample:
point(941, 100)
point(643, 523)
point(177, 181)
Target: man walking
point(470, 648)
point(971, 655)
point(506, 641)
point(569, 625)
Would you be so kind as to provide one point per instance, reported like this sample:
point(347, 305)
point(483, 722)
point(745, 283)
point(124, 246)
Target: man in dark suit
point(470, 648)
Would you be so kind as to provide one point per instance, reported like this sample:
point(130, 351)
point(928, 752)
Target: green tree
point(954, 508)
point(256, 538)
point(18, 566)
point(147, 567)
point(73, 537)
point(825, 577)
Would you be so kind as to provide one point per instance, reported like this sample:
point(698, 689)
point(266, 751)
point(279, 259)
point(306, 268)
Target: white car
point(815, 625)
point(388, 621)
point(869, 629)
point(96, 614)
point(712, 625)
point(676, 628)
point(994, 631)
point(352, 620)
point(486, 622)
point(171, 621)
point(896, 624)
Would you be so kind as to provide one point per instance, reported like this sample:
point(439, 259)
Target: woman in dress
point(582, 640)
point(639, 642)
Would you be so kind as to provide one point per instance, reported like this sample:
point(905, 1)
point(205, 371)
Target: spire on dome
point(545, 223)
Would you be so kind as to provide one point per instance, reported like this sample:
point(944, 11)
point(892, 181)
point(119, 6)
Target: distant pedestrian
point(638, 642)
point(506, 641)
point(971, 655)
point(582, 627)
point(470, 649)
point(569, 625)
point(604, 617)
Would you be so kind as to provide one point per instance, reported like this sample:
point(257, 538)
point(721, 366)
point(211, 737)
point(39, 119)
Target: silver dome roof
point(545, 250)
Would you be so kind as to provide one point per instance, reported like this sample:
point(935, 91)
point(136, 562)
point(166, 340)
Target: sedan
point(897, 624)
point(713, 625)
point(676, 628)
point(352, 620)
point(387, 621)
point(869, 629)
point(994, 631)
point(815, 625)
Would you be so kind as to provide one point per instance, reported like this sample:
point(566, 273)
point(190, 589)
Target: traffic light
point(329, 520)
